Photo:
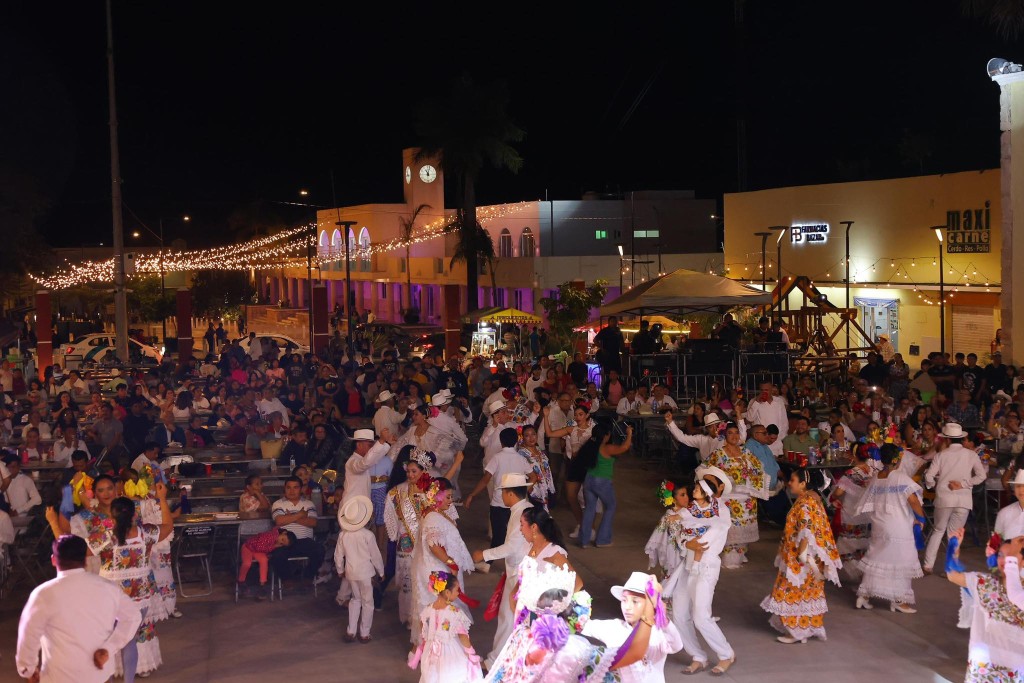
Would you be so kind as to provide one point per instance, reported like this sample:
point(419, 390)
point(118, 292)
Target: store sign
point(969, 231)
point(814, 233)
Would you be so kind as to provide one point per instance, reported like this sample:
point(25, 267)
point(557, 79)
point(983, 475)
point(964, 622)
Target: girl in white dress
point(439, 547)
point(893, 500)
point(402, 520)
point(445, 653)
point(853, 532)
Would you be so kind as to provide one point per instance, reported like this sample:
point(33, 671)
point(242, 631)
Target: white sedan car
point(99, 348)
point(284, 344)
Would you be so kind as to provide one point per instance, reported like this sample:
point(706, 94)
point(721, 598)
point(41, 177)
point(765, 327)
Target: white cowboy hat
point(355, 513)
point(384, 396)
point(441, 397)
point(718, 474)
point(1017, 480)
point(951, 430)
point(513, 480)
point(463, 349)
point(637, 583)
point(1002, 395)
point(496, 408)
point(364, 435)
point(711, 419)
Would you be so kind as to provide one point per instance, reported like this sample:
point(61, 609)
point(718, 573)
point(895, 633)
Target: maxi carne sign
point(969, 231)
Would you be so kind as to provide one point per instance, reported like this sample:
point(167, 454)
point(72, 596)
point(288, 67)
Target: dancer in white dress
point(439, 547)
point(402, 509)
point(893, 500)
point(445, 653)
point(853, 531)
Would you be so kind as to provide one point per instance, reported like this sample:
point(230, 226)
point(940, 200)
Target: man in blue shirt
point(776, 507)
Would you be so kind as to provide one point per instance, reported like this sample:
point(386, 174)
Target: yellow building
point(894, 273)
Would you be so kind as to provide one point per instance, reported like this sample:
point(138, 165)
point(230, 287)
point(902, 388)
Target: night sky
point(226, 104)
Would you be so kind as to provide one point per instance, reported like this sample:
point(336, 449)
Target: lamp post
point(783, 229)
point(942, 291)
point(848, 225)
point(163, 284)
point(620, 268)
point(764, 265)
point(346, 227)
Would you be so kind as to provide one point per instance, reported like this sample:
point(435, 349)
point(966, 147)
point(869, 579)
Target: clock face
point(408, 175)
point(428, 174)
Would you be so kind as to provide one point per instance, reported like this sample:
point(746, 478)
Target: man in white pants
point(514, 489)
point(953, 474)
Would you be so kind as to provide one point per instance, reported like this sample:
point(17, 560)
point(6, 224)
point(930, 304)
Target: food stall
point(488, 336)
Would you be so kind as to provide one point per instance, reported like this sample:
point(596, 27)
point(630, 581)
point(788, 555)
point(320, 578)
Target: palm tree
point(1005, 16)
point(471, 247)
point(468, 129)
point(406, 226)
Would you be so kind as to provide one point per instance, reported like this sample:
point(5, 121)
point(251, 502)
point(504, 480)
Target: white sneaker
point(575, 532)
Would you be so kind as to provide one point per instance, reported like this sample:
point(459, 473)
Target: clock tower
point(423, 181)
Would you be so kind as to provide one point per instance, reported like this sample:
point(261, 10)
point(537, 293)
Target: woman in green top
point(598, 485)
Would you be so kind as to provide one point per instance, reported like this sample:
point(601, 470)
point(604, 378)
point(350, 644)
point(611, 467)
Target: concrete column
point(44, 333)
point(321, 315)
point(184, 305)
point(361, 294)
point(1011, 167)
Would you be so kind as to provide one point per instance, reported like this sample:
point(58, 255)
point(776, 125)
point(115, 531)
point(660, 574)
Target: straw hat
point(441, 397)
point(513, 480)
point(637, 583)
point(718, 474)
point(1018, 480)
point(384, 396)
point(951, 430)
point(364, 435)
point(711, 419)
point(355, 513)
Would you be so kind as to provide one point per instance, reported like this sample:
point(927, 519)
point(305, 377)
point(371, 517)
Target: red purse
point(494, 604)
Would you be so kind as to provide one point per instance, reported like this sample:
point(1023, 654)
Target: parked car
point(284, 343)
point(100, 348)
point(413, 341)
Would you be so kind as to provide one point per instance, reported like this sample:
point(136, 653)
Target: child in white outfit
point(357, 558)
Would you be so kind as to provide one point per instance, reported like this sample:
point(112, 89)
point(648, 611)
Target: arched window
point(336, 247)
point(505, 244)
point(364, 246)
point(527, 245)
point(351, 246)
point(324, 245)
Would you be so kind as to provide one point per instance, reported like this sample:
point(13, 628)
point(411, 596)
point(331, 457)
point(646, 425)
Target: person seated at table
point(34, 418)
point(148, 457)
point(304, 473)
point(253, 499)
point(68, 444)
point(800, 439)
point(31, 448)
point(298, 516)
point(660, 400)
point(92, 410)
point(19, 492)
point(838, 439)
point(260, 432)
point(613, 389)
point(239, 431)
point(197, 435)
point(258, 548)
point(628, 404)
point(167, 432)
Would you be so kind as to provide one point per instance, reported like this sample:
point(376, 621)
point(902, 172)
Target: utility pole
point(764, 265)
point(848, 224)
point(120, 300)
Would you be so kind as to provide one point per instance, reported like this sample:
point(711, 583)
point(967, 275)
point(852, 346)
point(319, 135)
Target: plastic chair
point(196, 543)
point(276, 585)
point(26, 552)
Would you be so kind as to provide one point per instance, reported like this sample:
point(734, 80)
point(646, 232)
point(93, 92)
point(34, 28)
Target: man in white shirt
point(78, 620)
point(297, 515)
point(68, 444)
point(660, 399)
point(149, 456)
point(708, 442)
point(514, 489)
point(1010, 520)
point(628, 404)
point(368, 450)
point(506, 461)
point(20, 492)
point(768, 409)
point(386, 417)
point(954, 473)
point(270, 403)
point(534, 382)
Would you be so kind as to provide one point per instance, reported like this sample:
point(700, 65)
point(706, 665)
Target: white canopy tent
point(685, 291)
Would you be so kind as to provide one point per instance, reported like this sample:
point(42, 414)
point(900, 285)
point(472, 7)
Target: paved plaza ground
point(300, 639)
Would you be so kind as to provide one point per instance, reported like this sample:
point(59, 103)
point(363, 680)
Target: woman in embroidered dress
point(546, 645)
point(663, 547)
point(165, 596)
point(996, 650)
point(748, 483)
point(538, 459)
point(402, 510)
point(438, 547)
point(807, 556)
point(890, 564)
point(94, 525)
point(445, 654)
point(853, 532)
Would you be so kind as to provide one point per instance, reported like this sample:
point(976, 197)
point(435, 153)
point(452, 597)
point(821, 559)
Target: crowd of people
point(398, 430)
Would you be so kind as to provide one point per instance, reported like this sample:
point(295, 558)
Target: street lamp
point(942, 291)
point(620, 268)
point(163, 285)
point(848, 224)
point(783, 229)
point(764, 265)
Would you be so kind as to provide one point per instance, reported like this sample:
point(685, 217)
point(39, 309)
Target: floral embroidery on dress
point(993, 599)
point(986, 672)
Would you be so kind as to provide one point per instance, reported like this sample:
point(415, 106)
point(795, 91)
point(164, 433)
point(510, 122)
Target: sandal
point(723, 666)
point(695, 668)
